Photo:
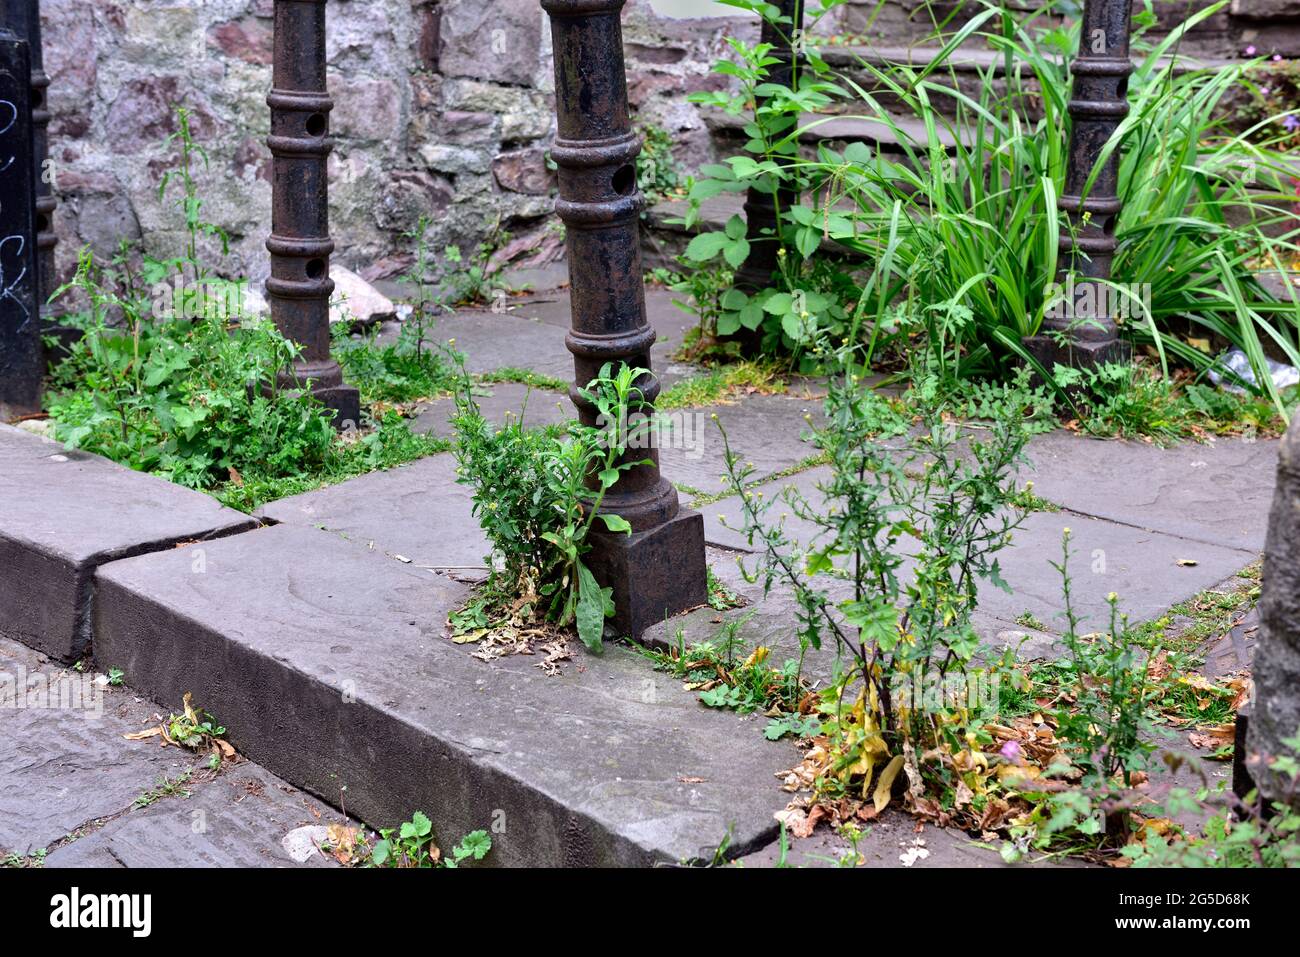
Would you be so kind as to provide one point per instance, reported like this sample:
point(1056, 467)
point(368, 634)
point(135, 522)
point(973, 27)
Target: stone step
point(64, 513)
point(328, 664)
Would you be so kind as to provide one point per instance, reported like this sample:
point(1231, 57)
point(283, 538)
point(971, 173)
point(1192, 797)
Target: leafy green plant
point(1249, 832)
point(412, 845)
point(658, 174)
point(473, 279)
point(724, 680)
point(1104, 725)
point(1131, 400)
point(537, 497)
point(801, 295)
point(955, 513)
point(170, 377)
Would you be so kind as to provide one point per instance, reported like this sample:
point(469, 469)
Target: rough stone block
point(328, 665)
point(64, 513)
point(655, 574)
point(1276, 712)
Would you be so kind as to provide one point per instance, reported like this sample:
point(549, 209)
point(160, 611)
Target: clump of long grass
point(961, 223)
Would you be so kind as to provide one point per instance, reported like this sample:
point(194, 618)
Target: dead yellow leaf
point(884, 786)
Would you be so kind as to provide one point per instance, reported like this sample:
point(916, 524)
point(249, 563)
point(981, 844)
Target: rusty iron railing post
point(659, 569)
point(22, 363)
point(761, 206)
point(1082, 329)
point(299, 288)
point(23, 17)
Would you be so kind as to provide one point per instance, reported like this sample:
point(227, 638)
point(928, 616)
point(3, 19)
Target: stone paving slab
point(63, 760)
point(417, 511)
point(62, 514)
point(1141, 566)
point(530, 333)
point(767, 430)
point(328, 665)
point(501, 403)
point(1218, 492)
point(237, 820)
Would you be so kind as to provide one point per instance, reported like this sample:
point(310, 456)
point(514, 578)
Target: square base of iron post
point(655, 574)
point(345, 402)
point(1079, 355)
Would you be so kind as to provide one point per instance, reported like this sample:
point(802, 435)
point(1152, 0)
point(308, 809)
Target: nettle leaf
point(751, 317)
point(736, 253)
point(778, 303)
point(729, 323)
point(706, 246)
point(736, 228)
point(734, 299)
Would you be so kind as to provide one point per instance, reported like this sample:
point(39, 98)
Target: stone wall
point(443, 108)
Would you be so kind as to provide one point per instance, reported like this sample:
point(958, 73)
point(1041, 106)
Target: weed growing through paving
point(1247, 832)
point(184, 386)
point(534, 380)
point(1136, 401)
point(722, 385)
point(537, 496)
point(412, 845)
point(721, 598)
point(165, 788)
point(726, 677)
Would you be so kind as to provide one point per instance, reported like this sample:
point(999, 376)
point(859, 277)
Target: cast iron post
point(761, 207)
point(658, 570)
point(1081, 330)
point(300, 286)
point(21, 361)
point(23, 17)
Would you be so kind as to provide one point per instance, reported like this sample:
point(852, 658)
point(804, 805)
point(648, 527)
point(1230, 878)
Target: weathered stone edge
point(291, 722)
point(60, 574)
